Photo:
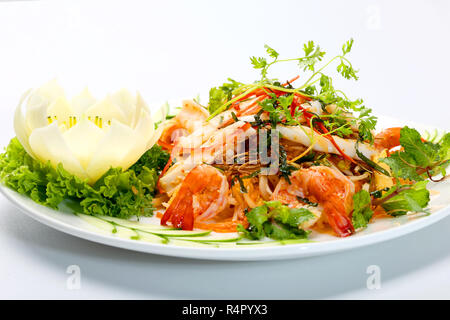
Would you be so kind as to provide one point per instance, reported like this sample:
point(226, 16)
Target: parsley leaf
point(220, 95)
point(345, 68)
point(271, 52)
point(347, 47)
point(313, 54)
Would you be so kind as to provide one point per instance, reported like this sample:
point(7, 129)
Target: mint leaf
point(444, 152)
point(418, 153)
point(362, 211)
point(290, 216)
point(401, 168)
point(276, 221)
point(279, 231)
point(419, 157)
point(404, 199)
point(256, 219)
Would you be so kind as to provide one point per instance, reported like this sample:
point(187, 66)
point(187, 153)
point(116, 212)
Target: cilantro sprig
point(318, 86)
point(220, 95)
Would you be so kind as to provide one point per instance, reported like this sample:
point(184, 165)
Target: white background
point(179, 49)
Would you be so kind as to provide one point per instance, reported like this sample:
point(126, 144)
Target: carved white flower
point(86, 136)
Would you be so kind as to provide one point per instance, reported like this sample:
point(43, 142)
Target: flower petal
point(107, 110)
point(48, 144)
point(36, 115)
point(116, 143)
point(82, 102)
point(162, 112)
point(126, 102)
point(140, 105)
point(143, 132)
point(156, 135)
point(46, 94)
point(61, 109)
point(20, 126)
point(83, 140)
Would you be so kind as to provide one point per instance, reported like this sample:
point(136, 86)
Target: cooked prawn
point(202, 195)
point(219, 143)
point(191, 115)
point(388, 138)
point(325, 185)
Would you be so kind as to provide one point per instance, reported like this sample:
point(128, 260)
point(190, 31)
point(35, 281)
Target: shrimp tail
point(201, 196)
point(180, 214)
point(388, 138)
point(341, 224)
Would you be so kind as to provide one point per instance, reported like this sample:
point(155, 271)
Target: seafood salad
point(269, 159)
point(273, 159)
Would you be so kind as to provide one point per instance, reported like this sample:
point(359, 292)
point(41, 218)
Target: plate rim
point(289, 251)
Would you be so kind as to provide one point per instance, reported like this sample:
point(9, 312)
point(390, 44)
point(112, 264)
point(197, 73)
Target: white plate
point(97, 230)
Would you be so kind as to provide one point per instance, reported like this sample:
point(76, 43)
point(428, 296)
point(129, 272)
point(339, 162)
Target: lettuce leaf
point(155, 158)
point(117, 193)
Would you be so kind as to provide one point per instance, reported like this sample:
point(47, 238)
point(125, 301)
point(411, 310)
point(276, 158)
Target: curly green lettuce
point(117, 193)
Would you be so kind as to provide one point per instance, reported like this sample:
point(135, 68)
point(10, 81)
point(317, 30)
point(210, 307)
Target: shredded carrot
point(222, 227)
point(290, 81)
point(322, 130)
point(165, 145)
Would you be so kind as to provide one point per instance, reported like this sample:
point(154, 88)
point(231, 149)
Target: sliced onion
point(360, 177)
point(264, 188)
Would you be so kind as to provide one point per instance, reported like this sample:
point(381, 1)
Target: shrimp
point(202, 195)
point(327, 186)
point(388, 138)
point(207, 152)
point(190, 118)
point(171, 134)
point(191, 115)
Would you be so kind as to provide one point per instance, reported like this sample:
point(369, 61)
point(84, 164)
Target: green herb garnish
point(117, 193)
point(276, 221)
